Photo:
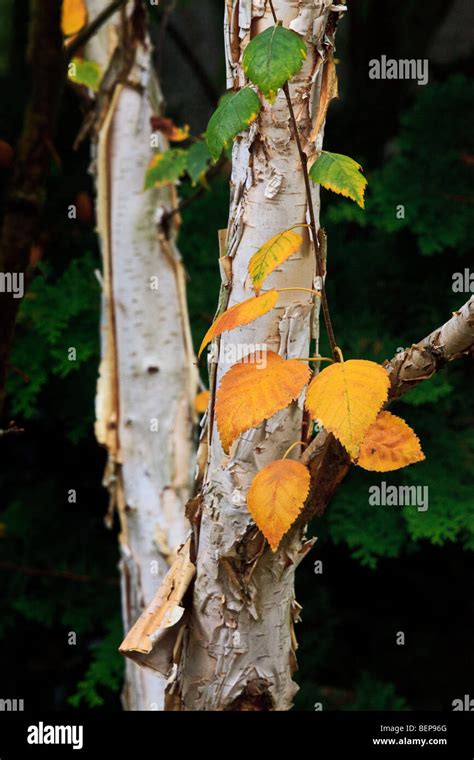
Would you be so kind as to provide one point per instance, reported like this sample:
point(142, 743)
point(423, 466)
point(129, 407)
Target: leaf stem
point(273, 12)
point(296, 443)
point(307, 290)
point(314, 359)
point(313, 228)
point(295, 226)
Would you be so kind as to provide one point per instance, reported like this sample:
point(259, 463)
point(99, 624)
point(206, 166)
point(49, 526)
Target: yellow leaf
point(73, 16)
point(240, 314)
point(346, 398)
point(179, 134)
point(201, 401)
point(273, 253)
point(250, 392)
point(276, 497)
point(389, 445)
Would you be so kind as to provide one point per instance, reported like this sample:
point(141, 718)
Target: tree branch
point(84, 36)
point(43, 572)
point(12, 429)
point(454, 339)
point(327, 459)
point(195, 64)
point(214, 171)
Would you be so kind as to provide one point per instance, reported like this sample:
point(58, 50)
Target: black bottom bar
point(324, 734)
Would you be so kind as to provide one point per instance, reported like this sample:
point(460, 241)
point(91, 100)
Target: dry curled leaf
point(240, 314)
point(328, 92)
point(271, 254)
point(276, 497)
point(389, 445)
point(169, 128)
point(250, 393)
point(346, 398)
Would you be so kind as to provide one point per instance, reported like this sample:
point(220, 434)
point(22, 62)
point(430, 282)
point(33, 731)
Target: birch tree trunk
point(147, 381)
point(230, 644)
point(239, 652)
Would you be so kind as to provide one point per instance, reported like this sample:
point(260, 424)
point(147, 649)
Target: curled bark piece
point(159, 623)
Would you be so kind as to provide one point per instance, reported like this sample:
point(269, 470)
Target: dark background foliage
point(385, 569)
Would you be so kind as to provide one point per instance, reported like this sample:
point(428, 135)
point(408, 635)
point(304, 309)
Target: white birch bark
point(240, 649)
point(147, 381)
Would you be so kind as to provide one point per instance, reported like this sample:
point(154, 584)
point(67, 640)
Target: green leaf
point(272, 58)
point(198, 160)
point(340, 174)
point(88, 73)
point(166, 167)
point(234, 114)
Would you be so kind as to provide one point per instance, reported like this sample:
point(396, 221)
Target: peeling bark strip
point(153, 639)
point(422, 360)
point(240, 648)
point(147, 378)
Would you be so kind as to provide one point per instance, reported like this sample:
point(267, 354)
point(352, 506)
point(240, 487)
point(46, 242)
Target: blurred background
point(390, 281)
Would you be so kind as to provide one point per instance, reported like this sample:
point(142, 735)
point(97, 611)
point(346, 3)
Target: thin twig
point(165, 17)
point(84, 36)
point(19, 372)
point(314, 231)
point(52, 573)
point(213, 172)
point(194, 62)
point(11, 429)
point(183, 204)
point(313, 227)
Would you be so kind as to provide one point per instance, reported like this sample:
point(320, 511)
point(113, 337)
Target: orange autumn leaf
point(73, 16)
point(201, 401)
point(389, 445)
point(271, 254)
point(276, 497)
point(167, 126)
point(240, 314)
point(251, 392)
point(346, 397)
point(179, 134)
